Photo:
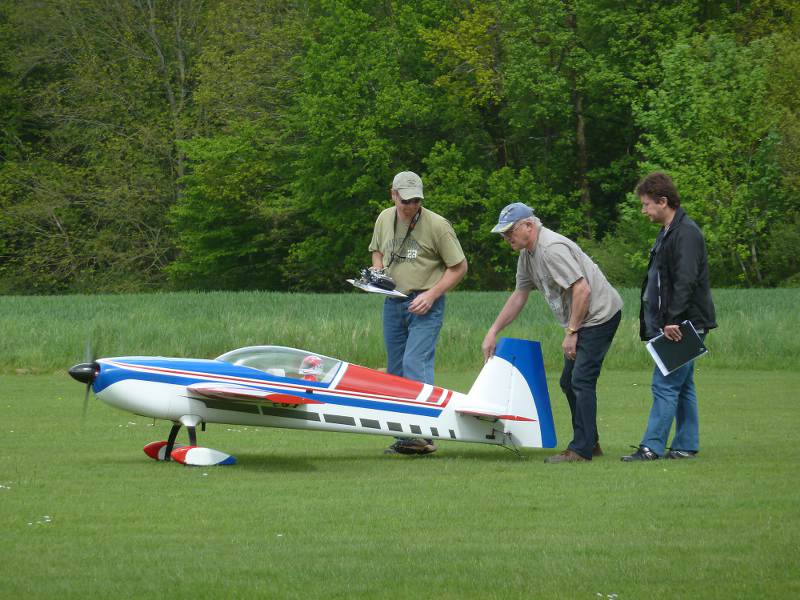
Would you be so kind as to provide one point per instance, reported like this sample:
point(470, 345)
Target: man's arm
point(451, 276)
point(509, 312)
point(581, 294)
point(685, 260)
point(377, 260)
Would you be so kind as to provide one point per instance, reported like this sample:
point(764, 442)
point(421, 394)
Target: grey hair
point(532, 219)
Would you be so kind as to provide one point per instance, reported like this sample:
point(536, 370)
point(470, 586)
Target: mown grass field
point(315, 515)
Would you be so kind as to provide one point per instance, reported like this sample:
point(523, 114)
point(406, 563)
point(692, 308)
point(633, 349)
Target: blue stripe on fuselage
point(203, 370)
point(376, 405)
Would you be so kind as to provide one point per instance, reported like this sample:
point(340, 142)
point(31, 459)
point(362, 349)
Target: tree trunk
point(580, 131)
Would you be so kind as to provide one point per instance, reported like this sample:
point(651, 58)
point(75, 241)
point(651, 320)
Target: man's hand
point(570, 345)
point(488, 345)
point(673, 332)
point(421, 304)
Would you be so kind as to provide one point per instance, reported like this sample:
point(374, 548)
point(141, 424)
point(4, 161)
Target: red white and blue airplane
point(275, 386)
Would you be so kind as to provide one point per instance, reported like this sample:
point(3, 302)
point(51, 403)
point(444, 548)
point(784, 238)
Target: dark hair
point(658, 185)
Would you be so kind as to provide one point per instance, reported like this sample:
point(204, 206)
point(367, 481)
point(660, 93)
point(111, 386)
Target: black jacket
point(682, 262)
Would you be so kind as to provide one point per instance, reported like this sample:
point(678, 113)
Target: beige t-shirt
point(420, 263)
point(554, 264)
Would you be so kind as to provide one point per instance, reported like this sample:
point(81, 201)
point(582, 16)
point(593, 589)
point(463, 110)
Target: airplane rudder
point(526, 357)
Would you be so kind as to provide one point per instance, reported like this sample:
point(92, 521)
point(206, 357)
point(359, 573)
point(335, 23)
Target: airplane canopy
point(281, 361)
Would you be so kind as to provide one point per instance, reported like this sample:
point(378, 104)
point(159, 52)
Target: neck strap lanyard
point(408, 232)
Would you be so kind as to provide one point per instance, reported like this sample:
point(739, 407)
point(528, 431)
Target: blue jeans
point(579, 382)
point(411, 339)
point(674, 398)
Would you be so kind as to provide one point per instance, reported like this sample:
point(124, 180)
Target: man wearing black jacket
point(675, 289)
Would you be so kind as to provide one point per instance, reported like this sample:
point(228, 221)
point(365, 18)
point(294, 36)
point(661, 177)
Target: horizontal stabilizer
point(482, 412)
point(238, 392)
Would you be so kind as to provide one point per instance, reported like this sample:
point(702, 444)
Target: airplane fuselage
point(356, 400)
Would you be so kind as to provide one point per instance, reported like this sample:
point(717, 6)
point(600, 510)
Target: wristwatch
point(571, 331)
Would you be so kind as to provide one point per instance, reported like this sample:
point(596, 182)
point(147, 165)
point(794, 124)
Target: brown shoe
point(411, 446)
point(597, 450)
point(565, 456)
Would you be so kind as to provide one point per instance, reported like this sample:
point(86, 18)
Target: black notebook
point(671, 355)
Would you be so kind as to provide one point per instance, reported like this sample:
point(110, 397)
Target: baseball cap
point(510, 215)
point(408, 184)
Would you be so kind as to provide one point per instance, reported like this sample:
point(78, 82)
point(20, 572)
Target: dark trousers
point(579, 382)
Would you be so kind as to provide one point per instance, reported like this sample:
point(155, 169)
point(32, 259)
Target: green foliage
point(710, 123)
point(623, 254)
point(238, 145)
point(361, 114)
point(231, 218)
point(107, 91)
point(472, 198)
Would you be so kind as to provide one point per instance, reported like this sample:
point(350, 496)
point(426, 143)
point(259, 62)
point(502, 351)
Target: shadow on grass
point(315, 461)
point(276, 464)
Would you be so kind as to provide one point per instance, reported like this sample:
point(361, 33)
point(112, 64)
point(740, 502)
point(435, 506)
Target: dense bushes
point(228, 145)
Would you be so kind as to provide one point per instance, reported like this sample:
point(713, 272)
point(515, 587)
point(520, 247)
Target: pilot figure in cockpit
point(311, 368)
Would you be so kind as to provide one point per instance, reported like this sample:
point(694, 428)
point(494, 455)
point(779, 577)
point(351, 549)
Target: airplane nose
point(85, 372)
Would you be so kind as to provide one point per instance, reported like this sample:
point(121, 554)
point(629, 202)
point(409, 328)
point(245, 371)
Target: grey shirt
point(554, 264)
point(652, 293)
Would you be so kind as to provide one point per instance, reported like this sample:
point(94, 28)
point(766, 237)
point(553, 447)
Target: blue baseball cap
point(510, 215)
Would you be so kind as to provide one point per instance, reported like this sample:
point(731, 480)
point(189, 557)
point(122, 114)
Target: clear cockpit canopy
point(285, 362)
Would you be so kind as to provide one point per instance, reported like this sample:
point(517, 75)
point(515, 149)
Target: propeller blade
point(88, 356)
point(86, 372)
point(86, 400)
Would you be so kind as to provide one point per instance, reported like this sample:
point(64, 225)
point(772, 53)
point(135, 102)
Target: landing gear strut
point(191, 422)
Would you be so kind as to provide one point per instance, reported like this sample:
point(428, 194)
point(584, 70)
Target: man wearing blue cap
point(583, 302)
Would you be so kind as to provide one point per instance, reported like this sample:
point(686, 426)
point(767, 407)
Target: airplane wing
point(237, 392)
point(489, 414)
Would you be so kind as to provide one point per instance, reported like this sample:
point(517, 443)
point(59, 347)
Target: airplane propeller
point(86, 372)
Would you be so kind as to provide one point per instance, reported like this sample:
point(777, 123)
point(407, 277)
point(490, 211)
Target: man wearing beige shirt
point(584, 304)
point(420, 251)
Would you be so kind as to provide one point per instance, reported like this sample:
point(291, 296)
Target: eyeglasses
point(410, 201)
point(509, 232)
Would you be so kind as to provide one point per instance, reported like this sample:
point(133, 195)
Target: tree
point(107, 91)
point(366, 110)
point(236, 219)
point(710, 124)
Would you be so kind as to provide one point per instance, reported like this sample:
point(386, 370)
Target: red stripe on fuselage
point(369, 381)
point(436, 395)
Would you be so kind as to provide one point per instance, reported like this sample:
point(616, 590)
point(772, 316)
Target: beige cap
point(408, 184)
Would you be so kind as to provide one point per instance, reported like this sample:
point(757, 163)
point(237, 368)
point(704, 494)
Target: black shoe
point(642, 453)
point(597, 450)
point(677, 454)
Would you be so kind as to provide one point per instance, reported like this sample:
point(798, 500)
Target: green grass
point(322, 515)
point(50, 333)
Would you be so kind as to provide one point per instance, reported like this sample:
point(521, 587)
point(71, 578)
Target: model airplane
point(274, 386)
